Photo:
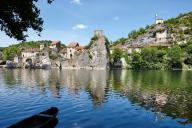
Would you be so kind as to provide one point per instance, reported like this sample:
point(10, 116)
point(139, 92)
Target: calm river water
point(99, 99)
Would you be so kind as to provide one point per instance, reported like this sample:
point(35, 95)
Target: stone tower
point(98, 33)
point(158, 20)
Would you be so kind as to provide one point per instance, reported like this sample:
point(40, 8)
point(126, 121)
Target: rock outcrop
point(95, 57)
point(156, 35)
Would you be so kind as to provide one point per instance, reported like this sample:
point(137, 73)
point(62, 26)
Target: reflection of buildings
point(94, 82)
point(159, 91)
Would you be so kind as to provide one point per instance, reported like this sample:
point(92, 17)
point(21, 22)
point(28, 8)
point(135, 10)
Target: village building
point(72, 49)
point(63, 53)
point(132, 48)
point(55, 45)
point(30, 53)
point(42, 47)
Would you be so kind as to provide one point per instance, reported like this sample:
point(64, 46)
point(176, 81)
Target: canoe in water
point(45, 119)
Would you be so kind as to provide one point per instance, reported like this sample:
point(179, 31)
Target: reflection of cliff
point(167, 93)
point(94, 82)
point(162, 92)
point(98, 86)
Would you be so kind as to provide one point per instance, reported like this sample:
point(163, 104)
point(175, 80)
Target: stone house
point(30, 53)
point(63, 53)
point(55, 45)
point(73, 48)
point(136, 48)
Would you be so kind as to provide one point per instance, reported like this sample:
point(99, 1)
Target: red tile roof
point(64, 50)
point(73, 44)
point(55, 42)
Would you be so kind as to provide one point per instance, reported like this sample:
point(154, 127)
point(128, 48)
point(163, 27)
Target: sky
point(76, 20)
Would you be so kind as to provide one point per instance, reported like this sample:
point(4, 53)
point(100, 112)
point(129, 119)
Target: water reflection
point(166, 93)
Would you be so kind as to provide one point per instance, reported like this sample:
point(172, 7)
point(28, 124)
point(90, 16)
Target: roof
point(80, 48)
point(73, 44)
point(64, 50)
point(55, 42)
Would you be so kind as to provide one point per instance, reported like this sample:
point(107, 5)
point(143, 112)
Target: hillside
point(15, 49)
point(177, 30)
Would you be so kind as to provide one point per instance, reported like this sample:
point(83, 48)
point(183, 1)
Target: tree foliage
point(17, 16)
point(119, 41)
point(93, 39)
point(136, 61)
point(134, 34)
point(188, 55)
point(174, 57)
point(116, 54)
point(15, 50)
point(11, 52)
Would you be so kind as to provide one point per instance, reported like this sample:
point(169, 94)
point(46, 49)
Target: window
point(71, 56)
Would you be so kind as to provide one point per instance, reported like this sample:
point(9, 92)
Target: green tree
point(174, 57)
point(188, 56)
point(116, 54)
point(11, 52)
point(17, 16)
point(152, 58)
point(119, 41)
point(93, 39)
point(136, 61)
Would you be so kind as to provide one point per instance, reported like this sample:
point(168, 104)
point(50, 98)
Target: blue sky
point(75, 20)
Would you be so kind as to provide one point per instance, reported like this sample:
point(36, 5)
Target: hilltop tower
point(158, 20)
point(98, 33)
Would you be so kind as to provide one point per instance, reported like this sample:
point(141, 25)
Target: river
point(99, 99)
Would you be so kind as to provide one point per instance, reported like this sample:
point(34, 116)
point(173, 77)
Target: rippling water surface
point(99, 99)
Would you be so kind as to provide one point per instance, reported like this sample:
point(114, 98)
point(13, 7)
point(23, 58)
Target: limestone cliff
point(175, 30)
point(94, 57)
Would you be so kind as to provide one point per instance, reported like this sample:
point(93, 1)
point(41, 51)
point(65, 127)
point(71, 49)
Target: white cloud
point(76, 2)
point(79, 26)
point(116, 18)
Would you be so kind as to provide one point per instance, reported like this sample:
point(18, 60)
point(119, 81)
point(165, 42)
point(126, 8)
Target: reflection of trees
point(165, 92)
point(9, 77)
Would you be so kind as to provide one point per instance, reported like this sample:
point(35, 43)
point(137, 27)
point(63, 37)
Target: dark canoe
point(45, 119)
